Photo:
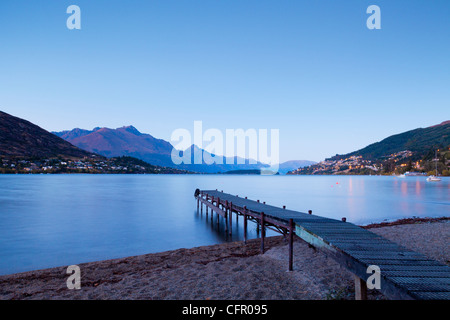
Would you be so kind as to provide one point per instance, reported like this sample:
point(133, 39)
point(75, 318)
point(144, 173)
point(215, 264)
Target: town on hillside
point(403, 162)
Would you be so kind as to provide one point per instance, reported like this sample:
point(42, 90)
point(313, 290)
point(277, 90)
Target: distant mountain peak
point(194, 147)
point(123, 141)
point(131, 129)
point(290, 165)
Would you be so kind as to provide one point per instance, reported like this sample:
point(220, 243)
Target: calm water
point(59, 220)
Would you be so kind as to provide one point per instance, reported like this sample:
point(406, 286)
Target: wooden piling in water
point(245, 224)
point(217, 213)
point(231, 216)
point(226, 215)
point(262, 232)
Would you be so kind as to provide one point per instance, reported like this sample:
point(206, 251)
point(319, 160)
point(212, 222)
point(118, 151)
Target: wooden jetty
point(404, 274)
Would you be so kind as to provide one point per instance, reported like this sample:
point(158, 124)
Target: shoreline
point(414, 220)
point(228, 271)
point(218, 173)
point(403, 221)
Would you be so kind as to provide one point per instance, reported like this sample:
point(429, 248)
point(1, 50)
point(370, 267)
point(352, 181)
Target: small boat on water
point(435, 178)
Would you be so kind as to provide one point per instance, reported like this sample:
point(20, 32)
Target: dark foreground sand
point(225, 271)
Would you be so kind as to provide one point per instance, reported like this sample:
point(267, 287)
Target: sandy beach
point(226, 271)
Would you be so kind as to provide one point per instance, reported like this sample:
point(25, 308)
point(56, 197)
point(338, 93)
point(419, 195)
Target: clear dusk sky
point(311, 69)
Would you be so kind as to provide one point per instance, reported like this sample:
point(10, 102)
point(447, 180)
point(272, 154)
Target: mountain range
point(124, 141)
point(20, 138)
point(129, 141)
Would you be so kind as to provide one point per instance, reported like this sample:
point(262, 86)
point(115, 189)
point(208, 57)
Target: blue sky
point(311, 69)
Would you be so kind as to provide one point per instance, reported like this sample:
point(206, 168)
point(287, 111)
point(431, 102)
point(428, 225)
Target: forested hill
point(419, 141)
point(21, 138)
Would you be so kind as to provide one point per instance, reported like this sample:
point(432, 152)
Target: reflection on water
point(55, 220)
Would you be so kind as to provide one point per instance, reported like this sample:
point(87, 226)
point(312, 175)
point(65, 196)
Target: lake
point(59, 220)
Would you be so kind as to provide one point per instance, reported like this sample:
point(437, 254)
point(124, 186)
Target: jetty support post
point(360, 288)
point(225, 209)
point(227, 213)
point(211, 213)
point(245, 224)
point(230, 217)
point(291, 244)
point(262, 232)
point(217, 212)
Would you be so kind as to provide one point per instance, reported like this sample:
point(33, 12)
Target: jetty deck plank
point(405, 274)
